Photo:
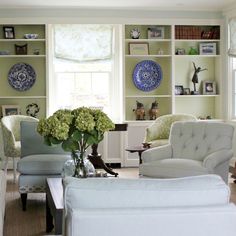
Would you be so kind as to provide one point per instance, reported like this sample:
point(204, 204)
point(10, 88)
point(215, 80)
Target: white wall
point(62, 15)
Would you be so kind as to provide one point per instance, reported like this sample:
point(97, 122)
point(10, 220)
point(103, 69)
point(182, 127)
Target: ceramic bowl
point(31, 36)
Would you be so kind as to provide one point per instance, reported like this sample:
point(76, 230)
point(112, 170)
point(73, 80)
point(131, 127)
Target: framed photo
point(156, 33)
point(138, 48)
point(9, 32)
point(179, 90)
point(209, 87)
point(207, 48)
point(8, 110)
point(186, 91)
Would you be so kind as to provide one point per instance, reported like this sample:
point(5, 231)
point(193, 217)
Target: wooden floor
point(32, 221)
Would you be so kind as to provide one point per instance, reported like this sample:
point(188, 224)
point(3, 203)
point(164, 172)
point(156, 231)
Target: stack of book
point(196, 32)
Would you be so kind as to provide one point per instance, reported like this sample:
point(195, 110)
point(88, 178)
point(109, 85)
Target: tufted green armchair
point(157, 134)
point(11, 137)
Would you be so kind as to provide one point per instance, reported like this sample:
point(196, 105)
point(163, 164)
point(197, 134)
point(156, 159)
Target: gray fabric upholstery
point(42, 164)
point(194, 148)
point(33, 143)
point(38, 160)
point(34, 183)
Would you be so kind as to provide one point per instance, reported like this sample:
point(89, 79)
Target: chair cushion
point(42, 164)
point(171, 168)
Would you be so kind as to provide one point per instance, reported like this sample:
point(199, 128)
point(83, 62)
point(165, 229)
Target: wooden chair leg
point(23, 200)
point(6, 164)
point(14, 169)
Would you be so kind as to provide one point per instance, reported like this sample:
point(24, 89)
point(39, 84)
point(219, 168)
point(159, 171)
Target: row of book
point(196, 32)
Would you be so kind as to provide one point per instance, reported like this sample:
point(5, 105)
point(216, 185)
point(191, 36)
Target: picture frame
point(207, 48)
point(10, 110)
point(156, 32)
point(209, 87)
point(187, 91)
point(138, 48)
point(9, 32)
point(179, 90)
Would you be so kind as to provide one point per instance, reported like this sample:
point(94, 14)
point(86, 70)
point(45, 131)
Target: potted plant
point(75, 130)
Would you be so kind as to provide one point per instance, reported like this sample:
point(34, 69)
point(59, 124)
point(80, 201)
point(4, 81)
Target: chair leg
point(6, 164)
point(23, 200)
point(14, 169)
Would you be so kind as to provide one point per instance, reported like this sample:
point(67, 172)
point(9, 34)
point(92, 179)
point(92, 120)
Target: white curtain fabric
point(83, 42)
point(232, 37)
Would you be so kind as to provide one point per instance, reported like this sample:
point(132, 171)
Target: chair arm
point(216, 158)
point(157, 153)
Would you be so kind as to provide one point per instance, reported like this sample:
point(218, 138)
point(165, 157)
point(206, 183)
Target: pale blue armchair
point(38, 161)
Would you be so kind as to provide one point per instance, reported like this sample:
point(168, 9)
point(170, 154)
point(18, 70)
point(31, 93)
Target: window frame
point(116, 84)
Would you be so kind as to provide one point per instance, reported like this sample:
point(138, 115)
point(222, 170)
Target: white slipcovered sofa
point(196, 206)
point(2, 199)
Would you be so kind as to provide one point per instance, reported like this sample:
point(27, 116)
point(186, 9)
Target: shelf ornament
point(21, 76)
point(195, 78)
point(139, 111)
point(153, 112)
point(147, 75)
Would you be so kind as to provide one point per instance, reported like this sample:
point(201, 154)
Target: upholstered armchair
point(38, 161)
point(11, 137)
point(157, 134)
point(195, 148)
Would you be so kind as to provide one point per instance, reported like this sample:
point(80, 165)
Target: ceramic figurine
point(153, 112)
point(139, 111)
point(135, 33)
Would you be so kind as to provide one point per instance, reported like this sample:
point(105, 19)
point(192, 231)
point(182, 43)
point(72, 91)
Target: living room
point(54, 40)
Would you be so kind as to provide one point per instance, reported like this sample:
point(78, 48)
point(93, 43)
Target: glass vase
point(78, 166)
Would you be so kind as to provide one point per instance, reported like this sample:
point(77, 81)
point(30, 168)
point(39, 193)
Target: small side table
point(54, 205)
point(139, 150)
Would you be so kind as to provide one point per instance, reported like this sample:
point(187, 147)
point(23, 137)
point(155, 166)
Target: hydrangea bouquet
point(75, 130)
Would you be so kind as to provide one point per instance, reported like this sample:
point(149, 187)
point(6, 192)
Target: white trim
point(50, 54)
point(233, 92)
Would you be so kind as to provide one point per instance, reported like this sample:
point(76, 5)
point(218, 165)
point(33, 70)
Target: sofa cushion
point(132, 193)
point(171, 168)
point(42, 164)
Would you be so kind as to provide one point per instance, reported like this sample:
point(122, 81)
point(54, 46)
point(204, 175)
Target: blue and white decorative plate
point(21, 76)
point(147, 75)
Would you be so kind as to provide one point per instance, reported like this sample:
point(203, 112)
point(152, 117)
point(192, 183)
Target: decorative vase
point(78, 166)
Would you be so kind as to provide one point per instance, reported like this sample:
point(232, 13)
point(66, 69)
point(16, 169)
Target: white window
point(234, 87)
point(86, 68)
